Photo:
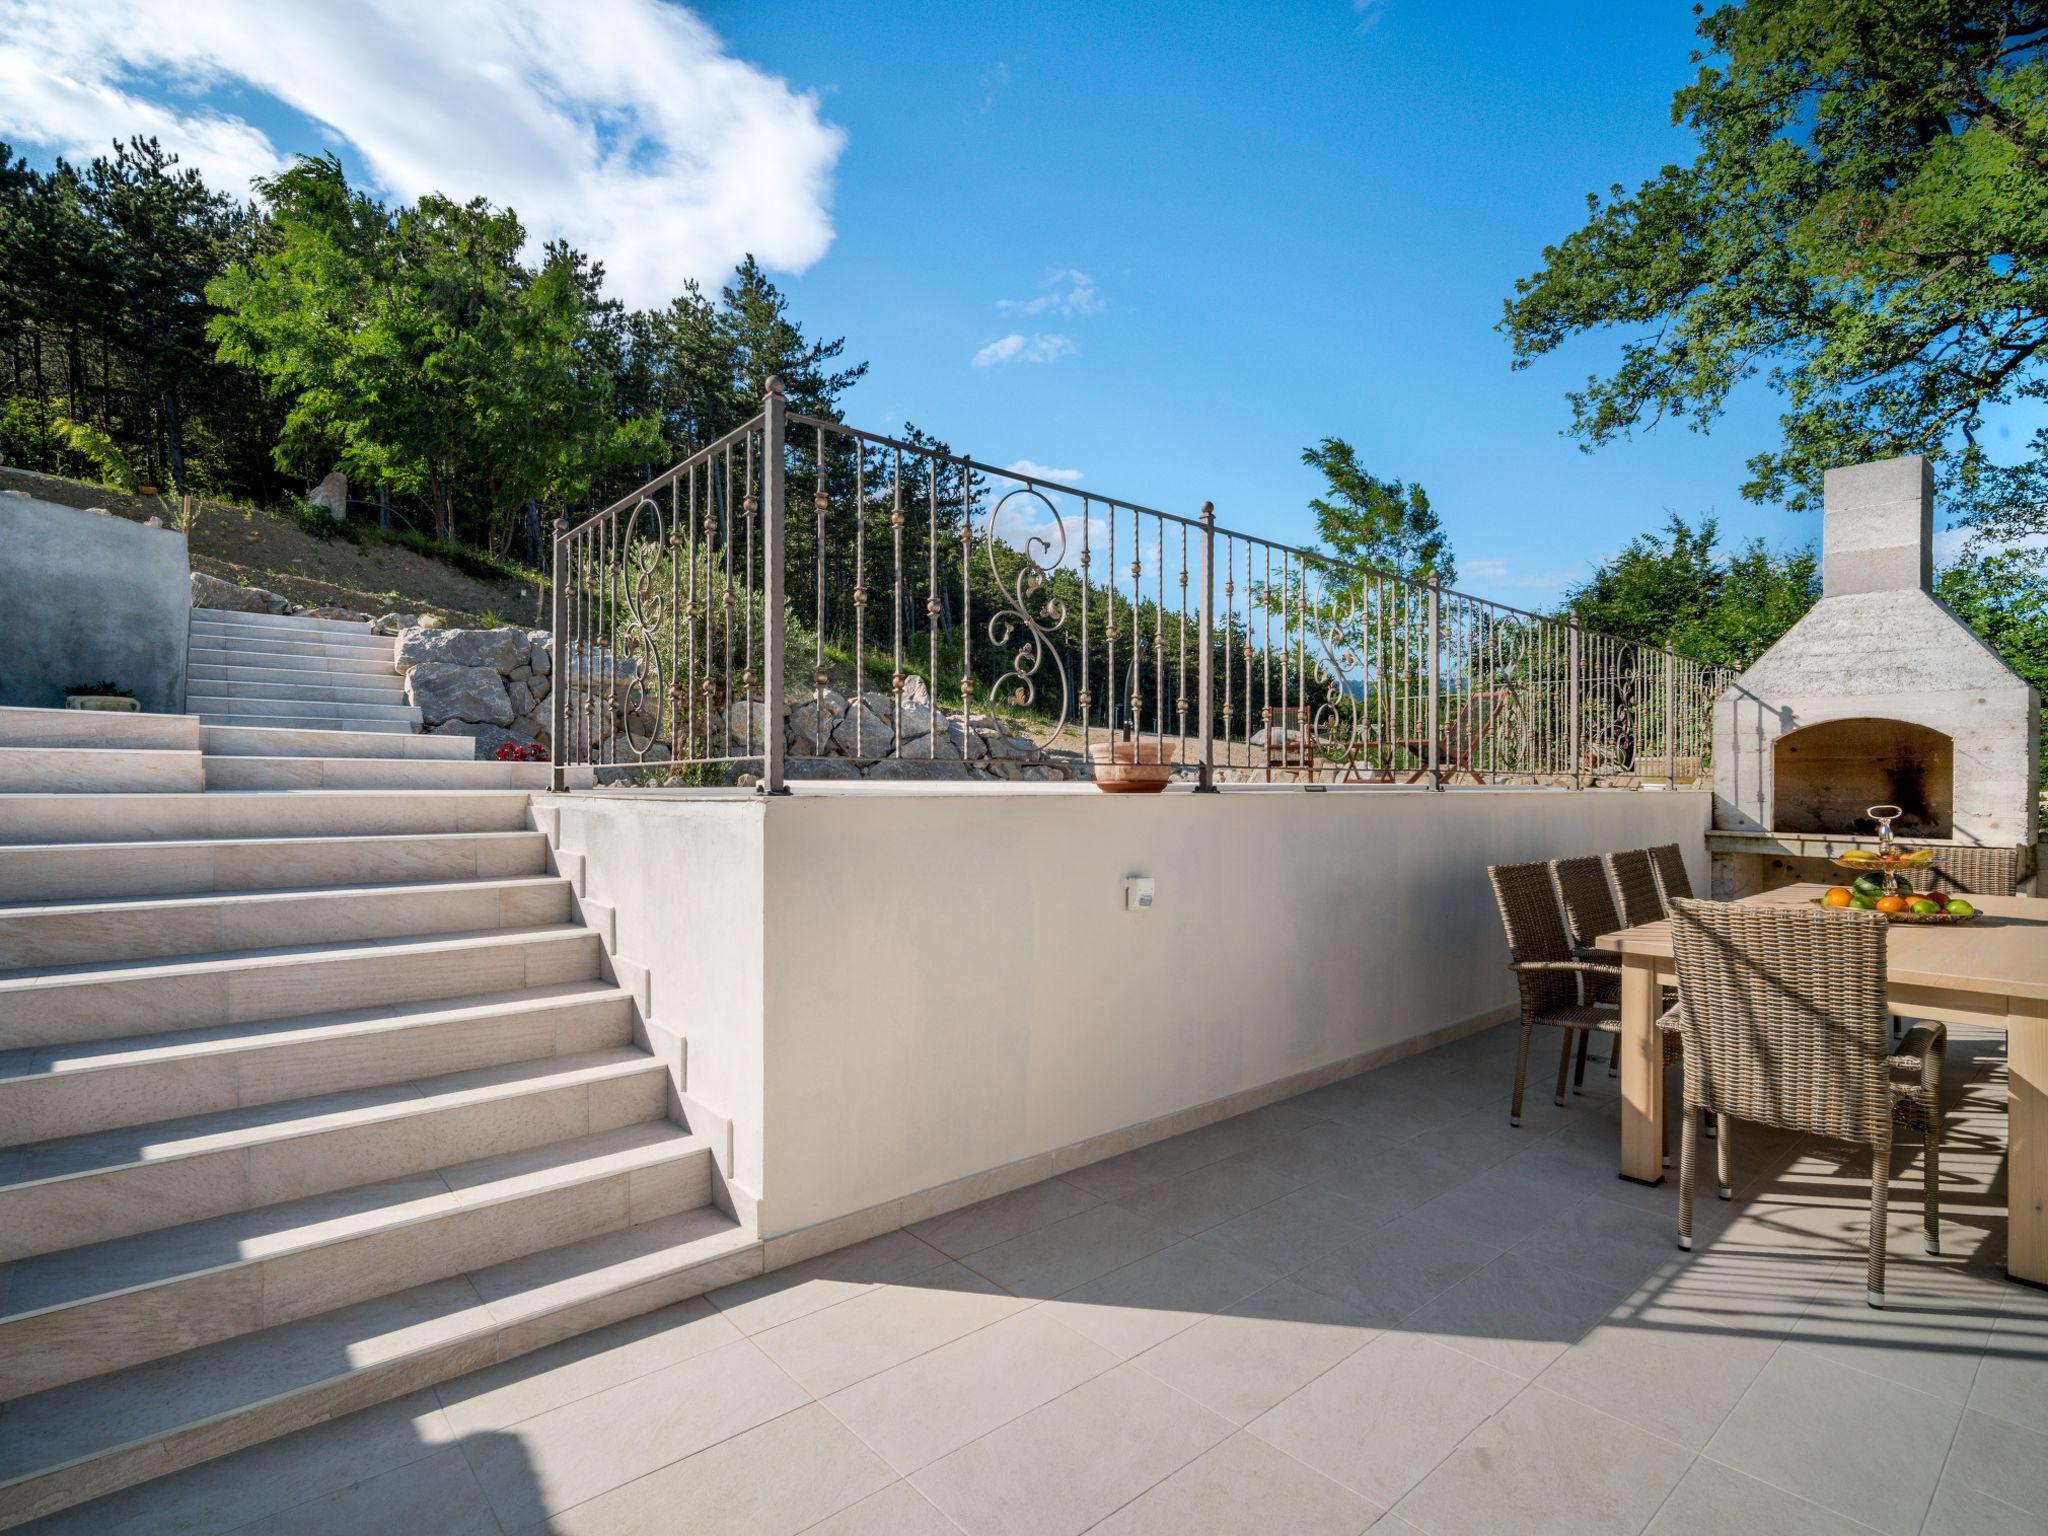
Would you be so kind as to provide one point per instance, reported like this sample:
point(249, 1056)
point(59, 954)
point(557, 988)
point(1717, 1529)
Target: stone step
point(81, 871)
point(98, 818)
point(88, 1311)
point(209, 705)
point(91, 1189)
point(336, 688)
point(68, 1004)
point(282, 623)
point(75, 1443)
point(101, 1085)
point(363, 647)
point(266, 741)
point(260, 661)
point(20, 727)
point(307, 723)
point(371, 773)
point(146, 928)
point(100, 770)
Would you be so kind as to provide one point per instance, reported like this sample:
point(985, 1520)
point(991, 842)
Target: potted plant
point(104, 694)
point(1124, 766)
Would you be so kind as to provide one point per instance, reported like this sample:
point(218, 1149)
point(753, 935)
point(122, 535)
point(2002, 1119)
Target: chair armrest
point(1922, 1051)
point(1580, 967)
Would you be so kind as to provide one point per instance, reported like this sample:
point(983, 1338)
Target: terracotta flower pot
point(1132, 767)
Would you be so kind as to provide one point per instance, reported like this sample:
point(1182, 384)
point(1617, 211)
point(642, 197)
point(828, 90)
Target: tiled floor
point(1375, 1303)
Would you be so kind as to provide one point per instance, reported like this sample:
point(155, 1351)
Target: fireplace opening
point(1826, 776)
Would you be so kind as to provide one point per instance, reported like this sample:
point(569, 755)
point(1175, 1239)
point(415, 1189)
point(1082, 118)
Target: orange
point(1891, 903)
point(1838, 896)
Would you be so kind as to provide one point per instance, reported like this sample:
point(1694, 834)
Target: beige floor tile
point(898, 1510)
point(1064, 1466)
point(1265, 1348)
point(1857, 1444)
point(834, 1348)
point(437, 1493)
point(2012, 1377)
point(1547, 1466)
point(1929, 1335)
point(1131, 1309)
point(1497, 1206)
point(2003, 1460)
point(1299, 1228)
point(1242, 1485)
point(1608, 1243)
point(1068, 1253)
point(1713, 1500)
point(1329, 1149)
point(580, 1367)
point(1206, 1197)
point(567, 1455)
point(1382, 1418)
point(1142, 1167)
point(776, 1479)
point(1961, 1511)
point(938, 1402)
point(983, 1225)
point(1675, 1373)
point(1393, 1269)
point(1514, 1313)
point(785, 1294)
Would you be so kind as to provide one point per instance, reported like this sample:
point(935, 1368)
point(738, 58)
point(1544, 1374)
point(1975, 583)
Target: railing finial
point(774, 384)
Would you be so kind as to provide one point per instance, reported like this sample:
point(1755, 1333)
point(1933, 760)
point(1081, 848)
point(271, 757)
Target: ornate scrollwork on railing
point(639, 655)
point(1336, 725)
point(1021, 590)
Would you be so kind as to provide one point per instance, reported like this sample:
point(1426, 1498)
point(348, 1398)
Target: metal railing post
point(773, 413)
point(1205, 703)
point(1670, 716)
point(558, 715)
point(1577, 753)
point(1433, 707)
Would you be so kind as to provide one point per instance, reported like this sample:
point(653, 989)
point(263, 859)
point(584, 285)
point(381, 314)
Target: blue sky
point(1161, 247)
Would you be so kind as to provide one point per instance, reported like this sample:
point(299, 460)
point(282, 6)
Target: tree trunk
point(384, 504)
point(174, 435)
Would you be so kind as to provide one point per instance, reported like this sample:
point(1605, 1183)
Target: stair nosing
point(81, 905)
point(685, 1143)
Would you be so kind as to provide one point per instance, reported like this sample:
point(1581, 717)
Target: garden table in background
point(1993, 971)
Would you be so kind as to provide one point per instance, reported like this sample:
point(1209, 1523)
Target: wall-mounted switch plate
point(1138, 894)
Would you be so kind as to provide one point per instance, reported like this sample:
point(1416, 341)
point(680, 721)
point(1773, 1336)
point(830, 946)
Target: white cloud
point(1017, 347)
point(1498, 573)
point(1039, 471)
point(1065, 291)
point(621, 126)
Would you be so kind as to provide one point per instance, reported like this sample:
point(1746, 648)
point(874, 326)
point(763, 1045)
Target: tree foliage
point(1865, 225)
point(1679, 588)
point(1385, 525)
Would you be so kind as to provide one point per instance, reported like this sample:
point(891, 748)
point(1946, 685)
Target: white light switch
point(1138, 894)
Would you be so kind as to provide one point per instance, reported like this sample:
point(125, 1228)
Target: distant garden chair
point(1558, 989)
point(1462, 738)
point(1783, 1014)
point(1635, 876)
point(1672, 879)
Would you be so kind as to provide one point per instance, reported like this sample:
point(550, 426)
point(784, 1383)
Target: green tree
point(2003, 596)
point(1384, 525)
point(1865, 224)
point(1677, 588)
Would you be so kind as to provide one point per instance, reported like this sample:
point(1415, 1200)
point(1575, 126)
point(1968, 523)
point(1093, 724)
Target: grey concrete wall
point(85, 596)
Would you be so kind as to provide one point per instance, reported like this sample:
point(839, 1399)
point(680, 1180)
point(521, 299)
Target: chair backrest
point(1977, 871)
point(1637, 882)
point(1783, 1013)
point(1588, 904)
point(1672, 878)
point(1535, 929)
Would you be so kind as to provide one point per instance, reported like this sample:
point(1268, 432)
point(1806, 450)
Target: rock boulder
point(498, 649)
point(443, 691)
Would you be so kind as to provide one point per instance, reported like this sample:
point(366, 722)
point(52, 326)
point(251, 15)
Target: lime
point(1961, 909)
point(1863, 903)
point(1923, 906)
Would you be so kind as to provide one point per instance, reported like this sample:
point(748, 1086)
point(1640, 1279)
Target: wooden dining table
point(1993, 971)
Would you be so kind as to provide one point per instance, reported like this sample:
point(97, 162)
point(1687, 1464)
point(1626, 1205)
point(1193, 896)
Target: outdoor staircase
point(256, 670)
point(314, 1089)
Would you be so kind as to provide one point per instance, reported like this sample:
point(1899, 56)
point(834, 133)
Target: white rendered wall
point(949, 981)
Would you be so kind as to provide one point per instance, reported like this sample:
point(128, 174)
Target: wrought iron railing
point(800, 593)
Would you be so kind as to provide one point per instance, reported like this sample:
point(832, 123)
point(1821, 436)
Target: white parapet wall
point(889, 994)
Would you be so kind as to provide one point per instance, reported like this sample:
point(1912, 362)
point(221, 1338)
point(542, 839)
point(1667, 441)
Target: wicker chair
point(1636, 879)
point(1589, 910)
point(1783, 1014)
point(1560, 990)
point(1672, 879)
point(1974, 871)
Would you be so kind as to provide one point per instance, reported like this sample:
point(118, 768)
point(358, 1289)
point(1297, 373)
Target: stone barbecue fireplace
point(1879, 695)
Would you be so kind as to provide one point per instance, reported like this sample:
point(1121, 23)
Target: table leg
point(1642, 1074)
point(2026, 1198)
